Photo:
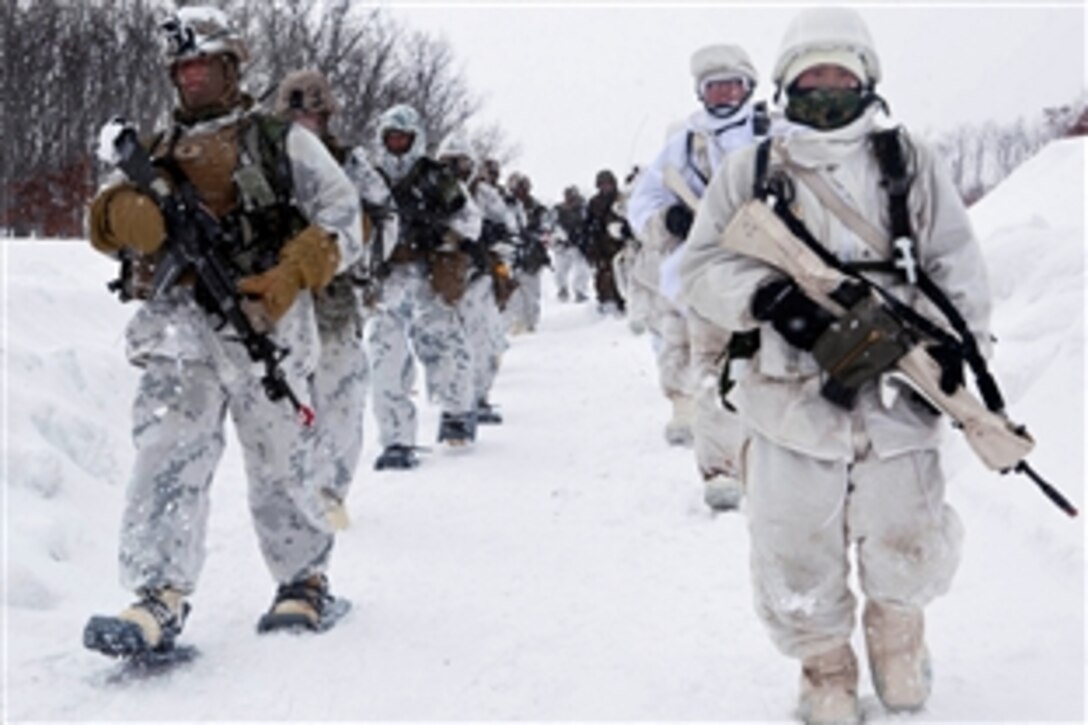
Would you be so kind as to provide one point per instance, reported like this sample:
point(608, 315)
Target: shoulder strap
point(265, 138)
point(760, 187)
point(888, 146)
point(696, 144)
point(866, 231)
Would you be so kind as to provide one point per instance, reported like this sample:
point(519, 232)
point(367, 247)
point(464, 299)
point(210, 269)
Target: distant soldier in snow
point(292, 222)
point(689, 348)
point(530, 255)
point(623, 262)
point(606, 232)
point(340, 380)
point(568, 248)
point(478, 307)
point(830, 468)
point(428, 272)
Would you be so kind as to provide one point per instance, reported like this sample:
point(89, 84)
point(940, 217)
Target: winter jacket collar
point(703, 122)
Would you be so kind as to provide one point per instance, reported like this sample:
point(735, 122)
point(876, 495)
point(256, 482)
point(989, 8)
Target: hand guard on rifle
point(307, 261)
point(678, 220)
point(795, 317)
point(124, 218)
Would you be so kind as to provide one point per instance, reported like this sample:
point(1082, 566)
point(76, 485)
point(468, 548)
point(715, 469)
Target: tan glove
point(122, 217)
point(308, 261)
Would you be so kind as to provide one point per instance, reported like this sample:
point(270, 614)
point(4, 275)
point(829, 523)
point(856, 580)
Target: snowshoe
point(304, 605)
point(457, 429)
point(397, 457)
point(149, 627)
point(563, 294)
point(486, 414)
point(580, 297)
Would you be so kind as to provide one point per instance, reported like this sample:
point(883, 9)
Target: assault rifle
point(192, 237)
point(758, 232)
point(425, 201)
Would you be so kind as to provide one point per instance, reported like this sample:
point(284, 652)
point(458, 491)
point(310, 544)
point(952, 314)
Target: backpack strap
point(695, 150)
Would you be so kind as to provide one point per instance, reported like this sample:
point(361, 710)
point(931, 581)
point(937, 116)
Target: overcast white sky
point(591, 85)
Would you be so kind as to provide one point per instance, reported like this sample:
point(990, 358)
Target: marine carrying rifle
point(192, 237)
point(758, 232)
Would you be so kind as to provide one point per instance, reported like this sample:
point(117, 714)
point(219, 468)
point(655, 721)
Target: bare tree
point(71, 66)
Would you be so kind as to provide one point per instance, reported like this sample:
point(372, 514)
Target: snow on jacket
point(780, 396)
point(175, 326)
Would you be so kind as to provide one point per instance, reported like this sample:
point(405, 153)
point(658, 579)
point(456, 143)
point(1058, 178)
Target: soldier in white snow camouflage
point(484, 326)
point(530, 255)
point(833, 479)
point(340, 381)
point(572, 271)
point(427, 273)
point(194, 370)
point(690, 347)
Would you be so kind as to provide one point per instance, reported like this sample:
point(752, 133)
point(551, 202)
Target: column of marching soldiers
point(353, 265)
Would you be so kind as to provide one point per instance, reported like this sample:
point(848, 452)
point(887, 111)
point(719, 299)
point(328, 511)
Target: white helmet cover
point(722, 60)
point(827, 35)
point(406, 119)
point(199, 30)
point(456, 145)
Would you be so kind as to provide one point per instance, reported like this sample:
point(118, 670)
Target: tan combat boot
point(149, 625)
point(898, 658)
point(829, 688)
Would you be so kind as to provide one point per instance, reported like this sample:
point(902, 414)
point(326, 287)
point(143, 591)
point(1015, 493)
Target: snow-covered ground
point(564, 568)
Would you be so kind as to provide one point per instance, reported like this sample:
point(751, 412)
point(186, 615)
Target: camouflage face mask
point(826, 108)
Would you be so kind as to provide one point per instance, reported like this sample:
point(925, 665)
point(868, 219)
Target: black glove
point(678, 220)
point(951, 361)
point(795, 317)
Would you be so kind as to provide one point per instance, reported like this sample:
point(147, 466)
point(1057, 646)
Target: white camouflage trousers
point(178, 431)
point(572, 271)
point(410, 313)
point(719, 433)
point(523, 308)
point(803, 516)
point(485, 331)
point(340, 383)
point(673, 348)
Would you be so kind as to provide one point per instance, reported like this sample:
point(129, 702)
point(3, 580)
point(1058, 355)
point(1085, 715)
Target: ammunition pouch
point(503, 282)
point(449, 274)
point(858, 347)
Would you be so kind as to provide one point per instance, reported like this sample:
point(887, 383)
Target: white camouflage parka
point(780, 396)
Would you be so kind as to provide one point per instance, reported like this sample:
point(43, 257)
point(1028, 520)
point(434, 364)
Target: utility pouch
point(856, 348)
point(449, 274)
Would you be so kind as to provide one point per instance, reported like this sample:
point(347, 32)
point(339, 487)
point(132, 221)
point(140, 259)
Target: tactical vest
point(243, 174)
point(426, 198)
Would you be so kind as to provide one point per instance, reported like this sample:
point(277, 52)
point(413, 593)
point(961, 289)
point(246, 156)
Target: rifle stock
point(756, 231)
point(679, 186)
